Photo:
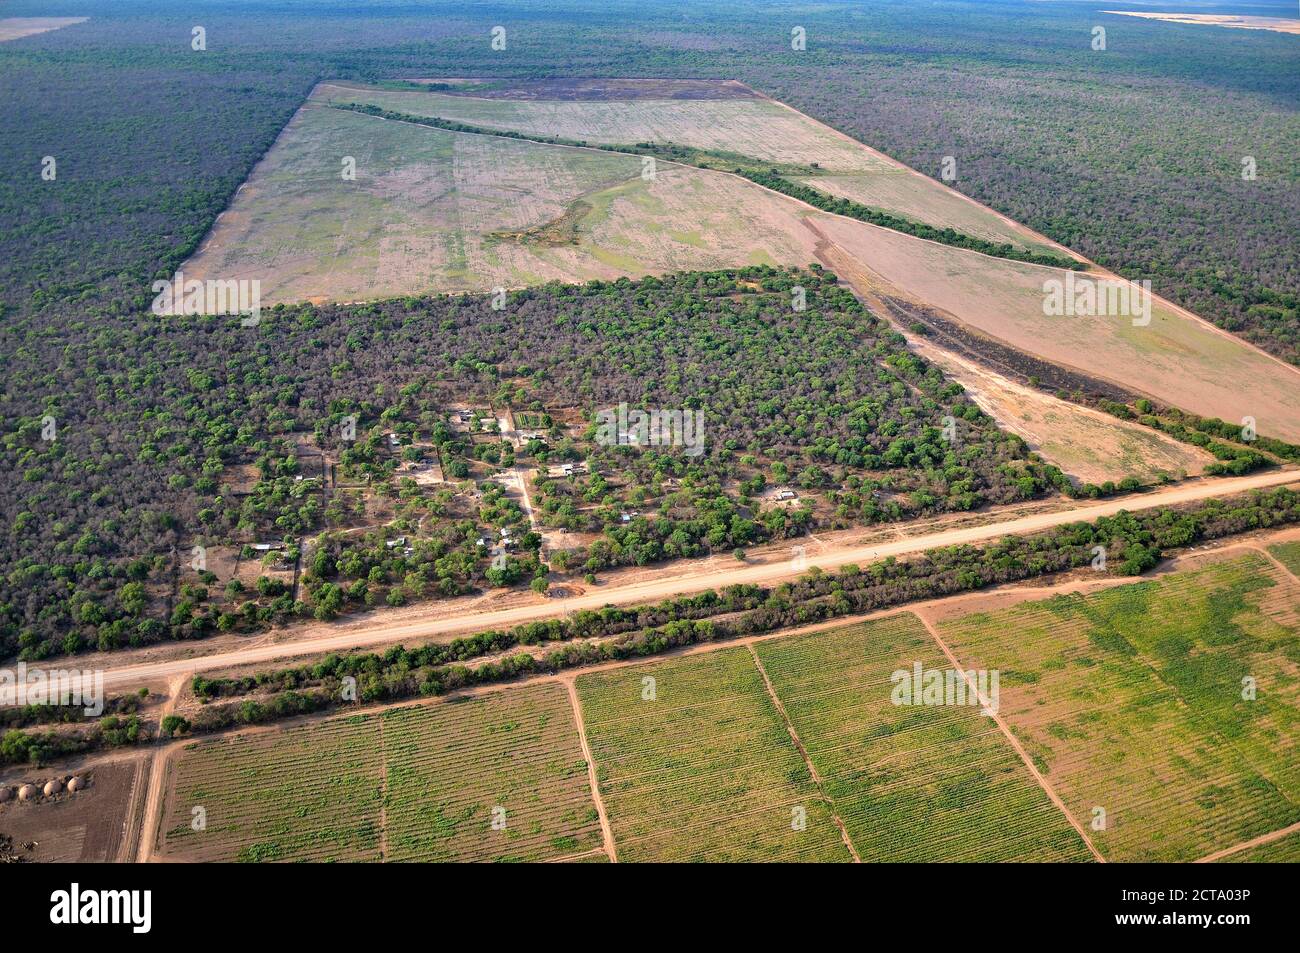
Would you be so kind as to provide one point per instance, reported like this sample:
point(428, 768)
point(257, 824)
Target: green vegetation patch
point(695, 764)
point(916, 783)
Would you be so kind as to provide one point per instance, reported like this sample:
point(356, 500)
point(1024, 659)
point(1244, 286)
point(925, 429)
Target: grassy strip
point(765, 174)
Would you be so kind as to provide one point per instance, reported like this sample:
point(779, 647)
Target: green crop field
point(911, 783)
point(704, 771)
point(310, 793)
point(1288, 554)
point(1284, 851)
point(497, 777)
point(1132, 701)
point(450, 765)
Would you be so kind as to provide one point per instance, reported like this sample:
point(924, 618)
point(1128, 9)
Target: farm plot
point(84, 826)
point(1176, 359)
point(432, 211)
point(698, 766)
point(911, 783)
point(509, 758)
point(902, 190)
point(1288, 554)
point(1283, 851)
point(494, 777)
point(308, 793)
point(1131, 702)
point(751, 126)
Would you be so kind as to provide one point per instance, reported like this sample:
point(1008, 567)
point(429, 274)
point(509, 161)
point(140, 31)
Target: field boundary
point(1015, 743)
point(606, 832)
point(803, 753)
point(1259, 841)
point(1263, 551)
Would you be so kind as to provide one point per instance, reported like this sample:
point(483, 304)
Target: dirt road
point(672, 582)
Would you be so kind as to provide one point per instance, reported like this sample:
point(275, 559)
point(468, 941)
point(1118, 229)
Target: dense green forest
point(195, 430)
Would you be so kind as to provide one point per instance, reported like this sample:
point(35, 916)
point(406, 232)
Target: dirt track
point(672, 582)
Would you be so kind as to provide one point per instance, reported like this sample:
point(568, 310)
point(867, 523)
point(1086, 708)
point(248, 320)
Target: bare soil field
point(1088, 445)
point(86, 826)
point(1276, 24)
point(432, 211)
point(584, 88)
point(722, 116)
point(1175, 359)
point(15, 28)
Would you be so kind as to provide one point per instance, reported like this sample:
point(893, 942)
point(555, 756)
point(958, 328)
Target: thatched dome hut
point(27, 792)
point(53, 786)
point(75, 784)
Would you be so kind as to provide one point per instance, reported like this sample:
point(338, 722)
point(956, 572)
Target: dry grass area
point(1088, 445)
point(1175, 359)
point(750, 125)
point(429, 210)
point(901, 190)
point(15, 28)
point(754, 127)
point(1276, 24)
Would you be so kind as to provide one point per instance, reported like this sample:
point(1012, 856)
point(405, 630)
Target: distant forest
point(1132, 155)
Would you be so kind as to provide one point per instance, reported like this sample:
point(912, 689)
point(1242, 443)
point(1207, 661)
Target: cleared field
point(705, 771)
point(765, 129)
point(1175, 359)
point(15, 28)
point(498, 777)
point(755, 127)
point(434, 211)
point(1275, 24)
point(911, 783)
point(1086, 444)
point(1131, 700)
point(903, 191)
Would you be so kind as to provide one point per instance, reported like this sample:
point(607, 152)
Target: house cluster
point(506, 542)
point(566, 470)
point(407, 550)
